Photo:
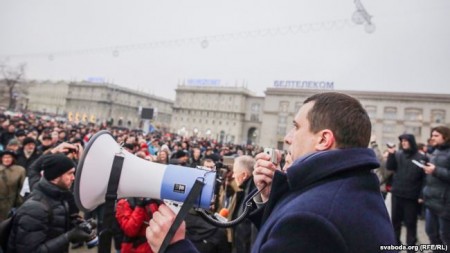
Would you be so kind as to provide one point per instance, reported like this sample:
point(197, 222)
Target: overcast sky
point(154, 45)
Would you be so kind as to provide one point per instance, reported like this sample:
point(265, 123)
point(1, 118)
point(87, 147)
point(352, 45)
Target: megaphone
point(139, 177)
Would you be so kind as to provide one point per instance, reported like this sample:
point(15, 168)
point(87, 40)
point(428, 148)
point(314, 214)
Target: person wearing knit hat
point(55, 169)
point(44, 222)
point(28, 153)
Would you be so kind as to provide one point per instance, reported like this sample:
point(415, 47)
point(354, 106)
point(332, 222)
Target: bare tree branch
point(12, 76)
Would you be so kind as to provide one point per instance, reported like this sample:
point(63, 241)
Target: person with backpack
point(46, 222)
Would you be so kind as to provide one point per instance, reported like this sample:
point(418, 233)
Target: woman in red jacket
point(131, 213)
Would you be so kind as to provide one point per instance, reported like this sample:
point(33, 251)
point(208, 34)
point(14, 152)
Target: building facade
point(98, 102)
point(225, 114)
point(391, 113)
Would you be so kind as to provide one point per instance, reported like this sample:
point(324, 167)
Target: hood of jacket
point(412, 143)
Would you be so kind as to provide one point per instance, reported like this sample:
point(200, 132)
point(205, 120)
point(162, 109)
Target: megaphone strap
point(110, 201)
point(187, 205)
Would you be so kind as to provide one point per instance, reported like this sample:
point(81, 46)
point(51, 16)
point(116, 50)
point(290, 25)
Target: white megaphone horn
point(139, 178)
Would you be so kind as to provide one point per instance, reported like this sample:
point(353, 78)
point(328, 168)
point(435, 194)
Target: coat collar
point(314, 167)
point(53, 191)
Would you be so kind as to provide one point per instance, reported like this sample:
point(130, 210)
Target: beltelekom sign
point(323, 85)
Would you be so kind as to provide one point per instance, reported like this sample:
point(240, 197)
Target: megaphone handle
point(188, 204)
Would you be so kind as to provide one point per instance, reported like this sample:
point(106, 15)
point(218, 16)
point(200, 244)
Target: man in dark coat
point(407, 185)
point(244, 233)
point(28, 153)
point(43, 222)
point(437, 188)
point(327, 201)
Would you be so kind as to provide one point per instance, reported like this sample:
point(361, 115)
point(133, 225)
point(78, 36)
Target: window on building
point(255, 108)
point(438, 116)
point(389, 128)
point(282, 120)
point(414, 130)
point(254, 117)
point(390, 113)
point(371, 111)
point(284, 106)
point(281, 130)
point(413, 114)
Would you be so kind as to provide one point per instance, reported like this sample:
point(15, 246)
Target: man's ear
point(326, 140)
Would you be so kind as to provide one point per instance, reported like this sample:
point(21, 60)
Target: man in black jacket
point(407, 185)
point(437, 189)
point(43, 222)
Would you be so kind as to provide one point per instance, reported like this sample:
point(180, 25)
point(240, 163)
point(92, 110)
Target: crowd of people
point(314, 197)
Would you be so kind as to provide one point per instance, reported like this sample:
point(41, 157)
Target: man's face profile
point(301, 140)
point(65, 180)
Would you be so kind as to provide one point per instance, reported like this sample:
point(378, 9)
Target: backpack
point(6, 225)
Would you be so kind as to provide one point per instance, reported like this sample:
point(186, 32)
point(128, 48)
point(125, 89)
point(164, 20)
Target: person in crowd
point(8, 135)
point(132, 214)
point(35, 171)
point(384, 175)
point(20, 135)
point(196, 159)
point(13, 145)
point(153, 148)
point(327, 201)
point(437, 188)
point(162, 156)
point(245, 232)
point(407, 185)
point(11, 178)
point(28, 153)
point(45, 222)
point(46, 143)
point(180, 158)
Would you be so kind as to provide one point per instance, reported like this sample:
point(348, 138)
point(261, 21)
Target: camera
point(88, 226)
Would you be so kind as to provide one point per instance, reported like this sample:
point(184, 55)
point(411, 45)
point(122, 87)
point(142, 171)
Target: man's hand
point(63, 148)
point(263, 173)
point(77, 235)
point(160, 224)
point(429, 168)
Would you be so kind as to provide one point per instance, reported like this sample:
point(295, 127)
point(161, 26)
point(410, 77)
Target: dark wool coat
point(437, 189)
point(327, 202)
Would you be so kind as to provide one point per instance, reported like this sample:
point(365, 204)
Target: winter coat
point(244, 233)
point(437, 189)
point(326, 202)
point(25, 162)
point(131, 220)
point(409, 179)
point(11, 181)
point(38, 229)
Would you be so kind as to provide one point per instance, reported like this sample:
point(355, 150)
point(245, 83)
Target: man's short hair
point(343, 115)
point(245, 162)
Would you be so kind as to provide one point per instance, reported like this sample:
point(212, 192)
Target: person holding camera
point(45, 222)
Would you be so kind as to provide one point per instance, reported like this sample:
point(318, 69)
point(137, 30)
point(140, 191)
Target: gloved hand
point(77, 234)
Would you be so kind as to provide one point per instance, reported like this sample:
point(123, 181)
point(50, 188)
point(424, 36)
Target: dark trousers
point(437, 228)
point(405, 210)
